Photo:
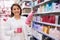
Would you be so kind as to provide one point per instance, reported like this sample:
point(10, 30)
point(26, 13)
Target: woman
point(15, 26)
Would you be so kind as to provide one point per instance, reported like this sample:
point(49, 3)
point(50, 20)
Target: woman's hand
point(15, 32)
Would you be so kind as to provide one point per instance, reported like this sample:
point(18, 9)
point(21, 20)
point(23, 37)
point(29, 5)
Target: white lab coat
point(11, 25)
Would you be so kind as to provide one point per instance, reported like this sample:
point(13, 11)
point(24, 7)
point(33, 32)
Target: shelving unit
point(53, 12)
point(51, 24)
point(41, 3)
point(25, 14)
point(49, 4)
point(26, 7)
point(40, 32)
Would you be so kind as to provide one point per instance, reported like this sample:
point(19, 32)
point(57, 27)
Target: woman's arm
point(8, 30)
point(29, 18)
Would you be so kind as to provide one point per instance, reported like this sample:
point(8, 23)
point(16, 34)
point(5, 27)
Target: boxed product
point(46, 29)
point(38, 19)
point(55, 33)
point(49, 7)
point(49, 19)
point(52, 19)
point(45, 8)
point(35, 3)
point(37, 27)
point(39, 1)
point(56, 6)
point(41, 9)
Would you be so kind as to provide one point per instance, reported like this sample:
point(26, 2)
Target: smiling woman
point(17, 25)
point(16, 29)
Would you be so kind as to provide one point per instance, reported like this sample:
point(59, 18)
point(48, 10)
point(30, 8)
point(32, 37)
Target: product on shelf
point(45, 18)
point(49, 7)
point(38, 19)
point(52, 19)
point(26, 10)
point(28, 3)
point(56, 6)
point(55, 33)
point(41, 9)
point(45, 8)
point(46, 29)
point(38, 27)
point(49, 19)
point(39, 1)
point(44, 37)
point(35, 3)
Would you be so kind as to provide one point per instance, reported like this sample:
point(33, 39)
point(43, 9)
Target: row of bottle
point(48, 19)
point(38, 1)
point(39, 36)
point(44, 37)
point(50, 30)
point(49, 7)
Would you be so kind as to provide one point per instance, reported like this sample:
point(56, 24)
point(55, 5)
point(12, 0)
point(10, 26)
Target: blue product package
point(49, 7)
point(37, 27)
point(33, 3)
point(34, 25)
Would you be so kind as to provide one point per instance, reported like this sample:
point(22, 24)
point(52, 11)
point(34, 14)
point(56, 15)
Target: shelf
point(44, 34)
point(25, 13)
point(47, 23)
point(36, 34)
point(26, 7)
point(41, 3)
point(44, 13)
point(27, 0)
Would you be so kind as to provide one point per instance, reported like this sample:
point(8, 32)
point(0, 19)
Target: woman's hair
point(12, 9)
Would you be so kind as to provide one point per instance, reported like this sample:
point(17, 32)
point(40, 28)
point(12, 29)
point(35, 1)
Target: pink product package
point(19, 30)
point(29, 18)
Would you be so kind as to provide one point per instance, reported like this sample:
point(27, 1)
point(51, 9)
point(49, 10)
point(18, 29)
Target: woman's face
point(16, 10)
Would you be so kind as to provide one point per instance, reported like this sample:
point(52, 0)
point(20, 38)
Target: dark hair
point(12, 8)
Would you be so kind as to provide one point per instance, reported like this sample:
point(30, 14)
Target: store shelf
point(44, 13)
point(27, 7)
point(36, 34)
point(44, 34)
point(41, 3)
point(25, 13)
point(47, 23)
point(27, 0)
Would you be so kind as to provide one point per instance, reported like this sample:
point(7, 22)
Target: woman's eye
point(14, 9)
point(18, 8)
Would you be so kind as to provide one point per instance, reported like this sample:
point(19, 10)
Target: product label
point(19, 30)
